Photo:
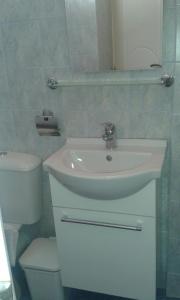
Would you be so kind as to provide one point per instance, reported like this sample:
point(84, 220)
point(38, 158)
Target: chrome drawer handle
point(102, 224)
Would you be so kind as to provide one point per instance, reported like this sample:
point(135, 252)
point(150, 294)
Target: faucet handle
point(109, 126)
point(109, 130)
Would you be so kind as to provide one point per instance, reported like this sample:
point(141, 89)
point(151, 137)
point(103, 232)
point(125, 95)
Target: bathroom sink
point(87, 168)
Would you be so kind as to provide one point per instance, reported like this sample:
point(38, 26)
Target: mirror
point(114, 34)
point(6, 285)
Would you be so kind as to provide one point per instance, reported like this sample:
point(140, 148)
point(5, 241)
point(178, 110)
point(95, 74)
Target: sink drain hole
point(109, 158)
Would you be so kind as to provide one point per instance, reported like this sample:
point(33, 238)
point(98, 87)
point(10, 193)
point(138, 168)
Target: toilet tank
point(20, 187)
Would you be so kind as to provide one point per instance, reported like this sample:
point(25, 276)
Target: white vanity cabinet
point(107, 246)
point(105, 214)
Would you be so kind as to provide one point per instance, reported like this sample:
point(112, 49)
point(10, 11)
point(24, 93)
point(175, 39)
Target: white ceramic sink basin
point(85, 167)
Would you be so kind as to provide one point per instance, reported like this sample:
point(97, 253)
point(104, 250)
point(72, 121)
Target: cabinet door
point(107, 253)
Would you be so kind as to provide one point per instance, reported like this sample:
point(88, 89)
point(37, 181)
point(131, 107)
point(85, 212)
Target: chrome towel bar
point(166, 80)
point(101, 224)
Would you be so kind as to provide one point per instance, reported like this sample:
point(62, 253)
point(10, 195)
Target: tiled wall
point(34, 45)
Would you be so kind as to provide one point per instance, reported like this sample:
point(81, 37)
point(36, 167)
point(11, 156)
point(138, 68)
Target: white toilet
point(20, 202)
point(20, 197)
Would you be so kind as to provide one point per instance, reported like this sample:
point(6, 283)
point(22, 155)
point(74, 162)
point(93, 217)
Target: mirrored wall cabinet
point(114, 34)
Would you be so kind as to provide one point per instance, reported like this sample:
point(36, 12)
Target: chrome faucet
point(109, 135)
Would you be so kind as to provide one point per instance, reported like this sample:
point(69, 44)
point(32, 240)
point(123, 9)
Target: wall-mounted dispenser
point(47, 124)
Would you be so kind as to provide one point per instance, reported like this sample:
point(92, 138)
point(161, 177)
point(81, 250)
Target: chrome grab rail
point(101, 224)
point(165, 80)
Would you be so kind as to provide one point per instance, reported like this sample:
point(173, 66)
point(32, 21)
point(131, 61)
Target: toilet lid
point(42, 254)
point(18, 161)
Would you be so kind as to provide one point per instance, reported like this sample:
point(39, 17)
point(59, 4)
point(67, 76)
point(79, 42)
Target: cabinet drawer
point(106, 252)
